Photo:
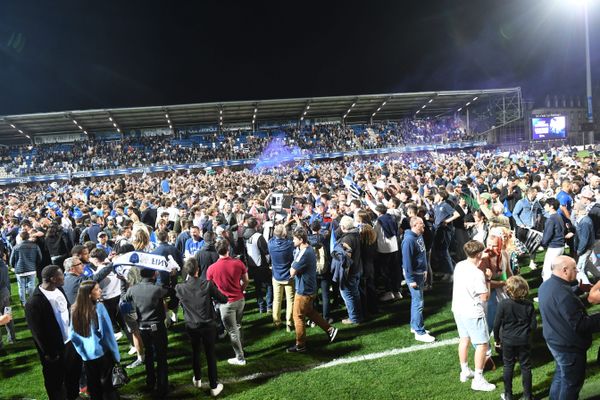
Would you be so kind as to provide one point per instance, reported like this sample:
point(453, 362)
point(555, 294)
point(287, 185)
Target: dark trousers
point(391, 271)
point(510, 355)
point(155, 343)
point(440, 252)
point(368, 291)
point(61, 377)
point(204, 336)
point(99, 378)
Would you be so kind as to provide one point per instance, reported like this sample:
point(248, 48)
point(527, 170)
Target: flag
point(332, 239)
point(533, 240)
point(352, 187)
point(507, 212)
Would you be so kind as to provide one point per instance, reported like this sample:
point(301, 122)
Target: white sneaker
point(132, 351)
point(397, 296)
point(413, 331)
point(196, 383)
point(236, 361)
point(136, 363)
point(536, 299)
point(466, 375)
point(482, 385)
point(387, 296)
point(216, 391)
point(426, 337)
point(118, 336)
point(532, 266)
point(173, 316)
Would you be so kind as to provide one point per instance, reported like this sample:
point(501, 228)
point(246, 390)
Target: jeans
point(26, 287)
point(155, 344)
point(262, 284)
point(231, 314)
point(206, 336)
point(324, 282)
point(510, 354)
point(416, 306)
point(303, 307)
point(569, 375)
point(279, 287)
point(351, 296)
point(583, 264)
point(441, 249)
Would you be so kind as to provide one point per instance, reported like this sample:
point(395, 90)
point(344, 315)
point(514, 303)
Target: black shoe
point(296, 349)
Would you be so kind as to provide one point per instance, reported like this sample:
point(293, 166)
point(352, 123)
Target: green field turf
point(430, 373)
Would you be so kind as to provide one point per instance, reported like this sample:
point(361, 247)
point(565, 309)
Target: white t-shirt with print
point(469, 283)
point(59, 305)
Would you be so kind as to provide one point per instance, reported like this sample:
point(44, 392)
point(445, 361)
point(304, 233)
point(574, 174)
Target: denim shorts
point(474, 328)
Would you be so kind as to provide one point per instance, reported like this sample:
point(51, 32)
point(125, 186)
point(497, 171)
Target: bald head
point(565, 268)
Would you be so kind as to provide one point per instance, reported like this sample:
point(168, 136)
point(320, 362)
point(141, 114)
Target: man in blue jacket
point(554, 236)
point(567, 328)
point(585, 242)
point(414, 262)
point(526, 213)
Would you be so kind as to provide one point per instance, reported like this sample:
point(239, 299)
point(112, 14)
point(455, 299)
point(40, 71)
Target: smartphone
point(7, 310)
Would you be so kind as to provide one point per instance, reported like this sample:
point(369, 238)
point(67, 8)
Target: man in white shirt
point(48, 318)
point(470, 292)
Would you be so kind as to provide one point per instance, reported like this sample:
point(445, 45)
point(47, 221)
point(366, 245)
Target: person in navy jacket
point(567, 328)
point(414, 262)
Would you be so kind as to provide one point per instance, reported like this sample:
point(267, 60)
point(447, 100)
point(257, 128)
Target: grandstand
point(482, 111)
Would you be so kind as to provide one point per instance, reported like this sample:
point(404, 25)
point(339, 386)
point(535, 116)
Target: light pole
point(588, 75)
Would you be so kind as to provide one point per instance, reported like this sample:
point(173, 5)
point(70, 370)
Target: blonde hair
point(517, 287)
point(140, 239)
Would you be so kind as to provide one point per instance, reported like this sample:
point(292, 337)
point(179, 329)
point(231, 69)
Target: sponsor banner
point(277, 124)
point(156, 132)
point(229, 163)
point(197, 129)
point(64, 138)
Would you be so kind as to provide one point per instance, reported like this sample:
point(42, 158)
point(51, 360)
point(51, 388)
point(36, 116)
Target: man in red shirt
point(231, 277)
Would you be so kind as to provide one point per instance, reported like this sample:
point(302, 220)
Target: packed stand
point(130, 152)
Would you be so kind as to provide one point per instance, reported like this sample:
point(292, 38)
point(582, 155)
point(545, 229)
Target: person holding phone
point(6, 317)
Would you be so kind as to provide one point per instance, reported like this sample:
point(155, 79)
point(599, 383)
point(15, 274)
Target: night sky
point(57, 56)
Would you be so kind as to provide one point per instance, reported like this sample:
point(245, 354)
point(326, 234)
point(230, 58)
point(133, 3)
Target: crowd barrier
point(231, 163)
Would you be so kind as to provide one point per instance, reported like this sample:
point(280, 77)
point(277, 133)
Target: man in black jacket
point(148, 300)
point(197, 295)
point(207, 255)
point(567, 328)
point(48, 318)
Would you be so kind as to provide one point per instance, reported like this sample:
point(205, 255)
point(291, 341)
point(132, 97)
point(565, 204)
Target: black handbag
point(119, 376)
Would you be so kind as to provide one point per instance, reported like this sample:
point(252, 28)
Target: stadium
point(419, 243)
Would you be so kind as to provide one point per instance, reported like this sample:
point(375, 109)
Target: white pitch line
point(347, 360)
point(387, 353)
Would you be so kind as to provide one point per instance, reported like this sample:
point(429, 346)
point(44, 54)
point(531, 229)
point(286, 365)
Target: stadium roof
point(353, 109)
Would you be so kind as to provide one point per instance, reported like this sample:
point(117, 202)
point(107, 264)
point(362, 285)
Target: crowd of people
point(132, 152)
point(343, 234)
